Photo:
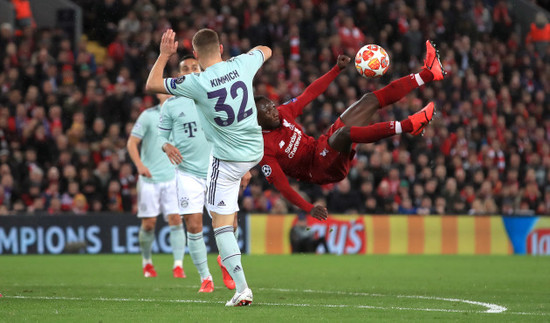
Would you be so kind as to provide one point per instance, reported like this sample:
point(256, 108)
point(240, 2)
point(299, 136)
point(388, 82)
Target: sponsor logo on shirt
point(294, 140)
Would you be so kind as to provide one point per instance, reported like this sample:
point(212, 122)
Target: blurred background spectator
point(66, 108)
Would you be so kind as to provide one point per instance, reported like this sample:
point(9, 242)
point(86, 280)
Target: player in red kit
point(289, 151)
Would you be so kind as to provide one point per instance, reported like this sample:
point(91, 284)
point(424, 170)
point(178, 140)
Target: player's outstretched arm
point(275, 175)
point(319, 86)
point(132, 146)
point(168, 47)
point(319, 212)
point(265, 50)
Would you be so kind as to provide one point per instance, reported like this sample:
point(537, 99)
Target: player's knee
point(148, 224)
point(194, 228)
point(174, 219)
point(345, 132)
point(193, 223)
point(341, 139)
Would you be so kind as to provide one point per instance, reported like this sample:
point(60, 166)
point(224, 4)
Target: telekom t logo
point(189, 128)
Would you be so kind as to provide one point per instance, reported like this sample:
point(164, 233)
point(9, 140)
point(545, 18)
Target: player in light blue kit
point(223, 95)
point(191, 152)
point(156, 190)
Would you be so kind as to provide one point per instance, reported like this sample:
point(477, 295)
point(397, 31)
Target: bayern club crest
point(184, 202)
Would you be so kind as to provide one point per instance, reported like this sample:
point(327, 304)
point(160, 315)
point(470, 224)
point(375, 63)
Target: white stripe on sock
point(418, 79)
point(398, 127)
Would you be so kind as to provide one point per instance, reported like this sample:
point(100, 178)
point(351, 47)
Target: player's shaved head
point(206, 42)
point(268, 115)
point(260, 100)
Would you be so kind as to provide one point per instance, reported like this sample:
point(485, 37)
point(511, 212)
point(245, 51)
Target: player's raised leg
point(360, 113)
point(432, 61)
point(343, 138)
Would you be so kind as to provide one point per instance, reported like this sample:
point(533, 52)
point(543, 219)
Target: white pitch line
point(104, 299)
point(491, 308)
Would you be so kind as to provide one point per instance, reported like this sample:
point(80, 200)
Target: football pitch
point(291, 288)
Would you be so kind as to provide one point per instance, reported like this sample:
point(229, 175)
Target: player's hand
point(168, 46)
point(343, 61)
point(245, 180)
point(173, 153)
point(319, 212)
point(144, 171)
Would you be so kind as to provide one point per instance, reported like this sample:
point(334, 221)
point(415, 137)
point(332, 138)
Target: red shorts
point(329, 165)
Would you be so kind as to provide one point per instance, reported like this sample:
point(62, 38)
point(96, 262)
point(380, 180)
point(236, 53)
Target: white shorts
point(157, 198)
point(191, 192)
point(223, 183)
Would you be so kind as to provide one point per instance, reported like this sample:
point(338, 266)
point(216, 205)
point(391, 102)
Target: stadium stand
point(66, 108)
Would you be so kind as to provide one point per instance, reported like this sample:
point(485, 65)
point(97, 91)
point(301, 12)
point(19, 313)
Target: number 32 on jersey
point(221, 94)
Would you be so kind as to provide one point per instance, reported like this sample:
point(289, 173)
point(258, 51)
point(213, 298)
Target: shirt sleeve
point(165, 124)
point(275, 175)
point(181, 85)
point(320, 85)
point(252, 61)
point(140, 127)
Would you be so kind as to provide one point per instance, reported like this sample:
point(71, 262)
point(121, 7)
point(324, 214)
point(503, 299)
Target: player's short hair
point(260, 98)
point(206, 41)
point(186, 57)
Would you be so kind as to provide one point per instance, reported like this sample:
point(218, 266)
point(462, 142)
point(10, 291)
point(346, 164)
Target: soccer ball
point(372, 61)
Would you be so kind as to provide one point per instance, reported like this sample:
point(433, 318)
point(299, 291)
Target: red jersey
point(288, 150)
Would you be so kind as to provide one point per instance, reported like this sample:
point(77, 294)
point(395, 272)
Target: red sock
point(406, 125)
point(397, 89)
point(426, 75)
point(373, 132)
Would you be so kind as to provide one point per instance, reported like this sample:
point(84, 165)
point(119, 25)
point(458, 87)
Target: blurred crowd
point(66, 111)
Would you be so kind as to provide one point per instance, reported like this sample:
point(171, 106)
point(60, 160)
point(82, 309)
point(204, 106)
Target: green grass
point(298, 288)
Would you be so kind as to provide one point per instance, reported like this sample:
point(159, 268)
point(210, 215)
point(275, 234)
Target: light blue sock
point(231, 255)
point(177, 241)
point(197, 251)
point(146, 239)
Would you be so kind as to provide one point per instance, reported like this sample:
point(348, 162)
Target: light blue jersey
point(146, 128)
point(179, 117)
point(224, 95)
